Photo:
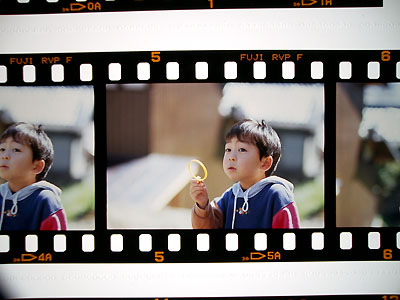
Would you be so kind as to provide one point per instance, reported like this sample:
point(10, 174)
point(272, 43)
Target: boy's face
point(16, 163)
point(242, 162)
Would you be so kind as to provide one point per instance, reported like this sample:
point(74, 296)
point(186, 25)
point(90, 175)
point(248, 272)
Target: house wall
point(62, 152)
point(185, 118)
point(355, 204)
point(128, 110)
point(179, 119)
point(291, 162)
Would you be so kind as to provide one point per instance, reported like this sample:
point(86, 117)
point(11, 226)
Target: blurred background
point(154, 130)
point(66, 114)
point(367, 155)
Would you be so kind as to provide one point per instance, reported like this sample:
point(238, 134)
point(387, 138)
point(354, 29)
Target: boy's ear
point(38, 166)
point(266, 162)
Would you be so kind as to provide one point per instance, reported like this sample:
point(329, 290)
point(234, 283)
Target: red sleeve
point(286, 217)
point(56, 221)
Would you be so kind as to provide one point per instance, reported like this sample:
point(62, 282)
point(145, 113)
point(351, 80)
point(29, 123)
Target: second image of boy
point(257, 199)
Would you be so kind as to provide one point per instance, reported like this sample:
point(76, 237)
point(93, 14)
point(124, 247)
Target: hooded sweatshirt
point(267, 204)
point(34, 207)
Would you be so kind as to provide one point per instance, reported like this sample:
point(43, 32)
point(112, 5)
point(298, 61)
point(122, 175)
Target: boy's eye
point(16, 150)
point(227, 149)
point(242, 150)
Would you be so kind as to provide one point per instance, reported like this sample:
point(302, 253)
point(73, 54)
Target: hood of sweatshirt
point(23, 193)
point(255, 189)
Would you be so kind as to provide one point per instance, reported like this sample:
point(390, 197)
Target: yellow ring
point(204, 169)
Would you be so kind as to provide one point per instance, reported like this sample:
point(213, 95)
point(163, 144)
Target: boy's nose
point(232, 158)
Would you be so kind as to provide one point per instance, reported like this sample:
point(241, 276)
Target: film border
point(70, 6)
point(84, 68)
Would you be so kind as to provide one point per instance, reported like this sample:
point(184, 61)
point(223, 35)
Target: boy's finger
point(198, 190)
point(197, 182)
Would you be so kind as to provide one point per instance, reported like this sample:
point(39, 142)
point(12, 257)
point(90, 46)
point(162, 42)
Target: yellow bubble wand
point(204, 169)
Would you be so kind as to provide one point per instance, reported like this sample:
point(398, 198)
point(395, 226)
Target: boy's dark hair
point(260, 134)
point(34, 137)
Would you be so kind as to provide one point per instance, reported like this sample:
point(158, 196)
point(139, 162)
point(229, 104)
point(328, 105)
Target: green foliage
point(388, 191)
point(309, 197)
point(78, 199)
point(388, 177)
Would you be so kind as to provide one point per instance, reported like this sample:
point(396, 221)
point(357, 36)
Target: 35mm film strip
point(125, 125)
point(83, 6)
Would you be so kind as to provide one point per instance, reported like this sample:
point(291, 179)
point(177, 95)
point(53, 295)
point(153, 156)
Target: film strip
point(108, 73)
point(125, 125)
point(83, 6)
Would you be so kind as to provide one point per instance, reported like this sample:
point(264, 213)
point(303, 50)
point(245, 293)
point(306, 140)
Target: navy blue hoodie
point(267, 204)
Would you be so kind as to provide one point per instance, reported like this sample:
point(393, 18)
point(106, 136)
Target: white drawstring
point(234, 211)
point(14, 208)
point(245, 206)
point(2, 209)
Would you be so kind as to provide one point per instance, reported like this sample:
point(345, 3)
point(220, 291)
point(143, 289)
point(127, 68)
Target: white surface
point(235, 29)
point(264, 29)
point(200, 280)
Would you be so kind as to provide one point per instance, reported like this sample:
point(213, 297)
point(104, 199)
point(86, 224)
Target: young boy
point(257, 199)
point(27, 201)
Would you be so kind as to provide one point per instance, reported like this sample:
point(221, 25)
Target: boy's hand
point(198, 192)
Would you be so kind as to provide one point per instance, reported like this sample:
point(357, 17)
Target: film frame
point(122, 246)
